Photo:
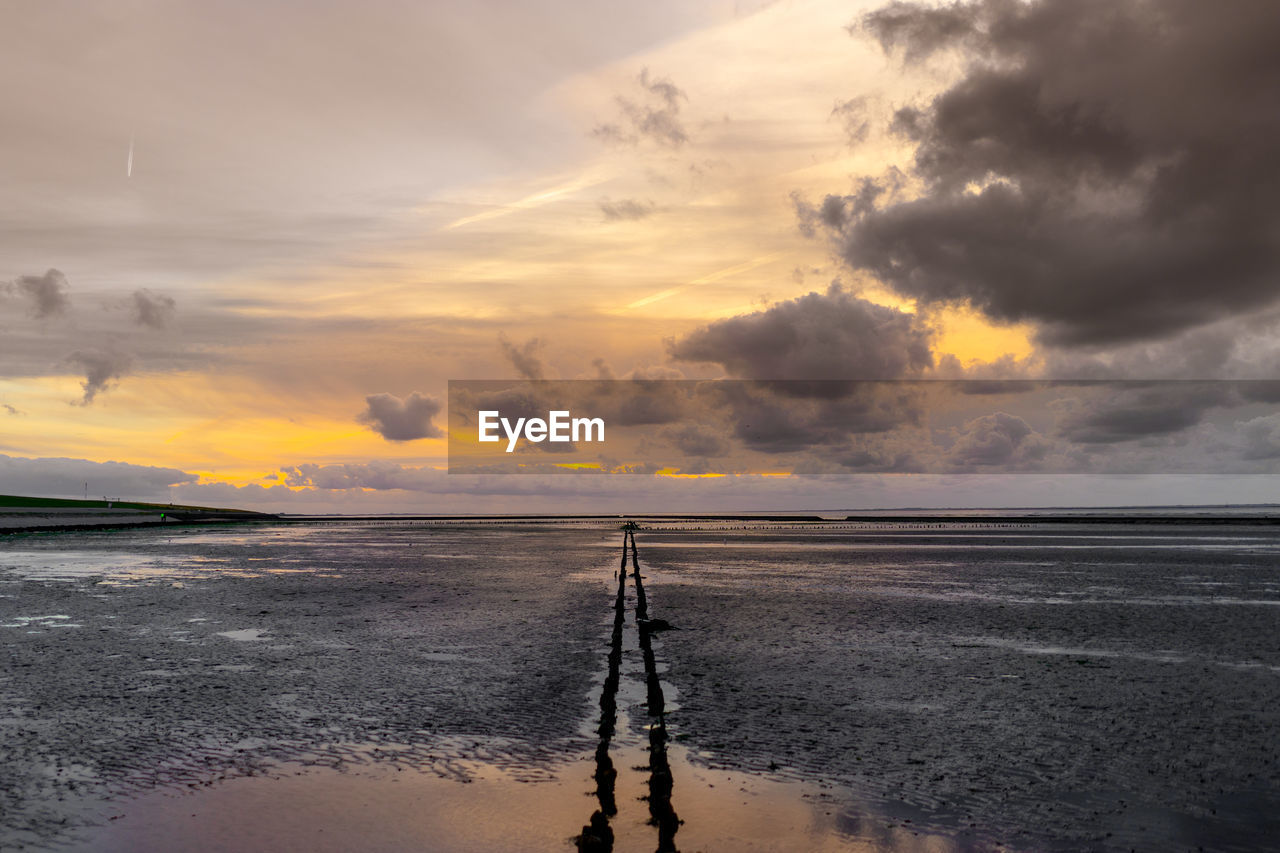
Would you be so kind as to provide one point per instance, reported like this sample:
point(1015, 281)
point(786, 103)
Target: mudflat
point(951, 686)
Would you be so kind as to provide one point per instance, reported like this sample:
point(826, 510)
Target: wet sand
point(439, 686)
point(157, 661)
point(1047, 687)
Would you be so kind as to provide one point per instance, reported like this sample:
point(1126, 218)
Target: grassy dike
point(24, 514)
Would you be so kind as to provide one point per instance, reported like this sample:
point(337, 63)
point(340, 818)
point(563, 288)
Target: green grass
point(21, 501)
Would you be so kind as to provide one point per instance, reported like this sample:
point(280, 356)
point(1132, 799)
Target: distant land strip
point(958, 517)
point(21, 514)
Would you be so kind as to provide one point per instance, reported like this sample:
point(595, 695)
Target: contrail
point(706, 279)
point(128, 172)
point(529, 202)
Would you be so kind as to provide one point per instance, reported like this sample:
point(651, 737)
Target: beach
point(964, 684)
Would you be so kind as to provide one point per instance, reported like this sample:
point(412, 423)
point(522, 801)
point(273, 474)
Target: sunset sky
point(238, 237)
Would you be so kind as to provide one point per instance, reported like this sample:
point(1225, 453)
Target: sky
point(245, 246)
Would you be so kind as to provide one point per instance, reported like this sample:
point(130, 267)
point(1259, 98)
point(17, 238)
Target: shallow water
point(437, 686)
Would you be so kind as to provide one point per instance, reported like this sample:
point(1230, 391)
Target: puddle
point(377, 809)
point(245, 635)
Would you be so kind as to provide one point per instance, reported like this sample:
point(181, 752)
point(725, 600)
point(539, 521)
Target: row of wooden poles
point(597, 835)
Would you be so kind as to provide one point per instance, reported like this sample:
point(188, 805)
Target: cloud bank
point(60, 477)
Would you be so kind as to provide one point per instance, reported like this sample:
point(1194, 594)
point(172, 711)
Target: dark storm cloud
point(523, 358)
point(655, 117)
point(401, 420)
point(100, 367)
point(46, 294)
point(152, 309)
point(1102, 169)
point(57, 477)
point(1135, 413)
point(627, 209)
point(820, 336)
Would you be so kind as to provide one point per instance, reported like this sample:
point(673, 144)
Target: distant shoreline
point(20, 521)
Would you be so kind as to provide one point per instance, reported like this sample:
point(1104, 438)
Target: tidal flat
point(883, 685)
